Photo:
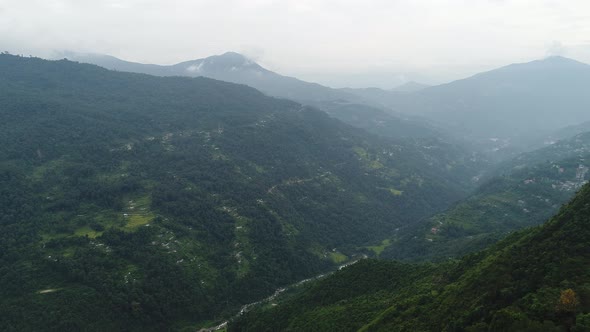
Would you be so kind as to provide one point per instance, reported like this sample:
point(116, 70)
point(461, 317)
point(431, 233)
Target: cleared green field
point(87, 231)
point(138, 220)
point(337, 257)
point(379, 249)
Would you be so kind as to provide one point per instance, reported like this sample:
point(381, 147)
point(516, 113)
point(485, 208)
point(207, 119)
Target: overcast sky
point(335, 42)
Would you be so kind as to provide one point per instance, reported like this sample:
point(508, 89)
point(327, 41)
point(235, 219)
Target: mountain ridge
point(236, 68)
point(516, 96)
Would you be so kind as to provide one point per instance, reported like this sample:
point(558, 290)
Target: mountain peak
point(233, 59)
point(552, 64)
point(557, 60)
point(229, 61)
point(232, 55)
point(561, 60)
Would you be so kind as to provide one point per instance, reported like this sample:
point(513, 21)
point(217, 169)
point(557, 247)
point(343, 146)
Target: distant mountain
point(520, 102)
point(379, 97)
point(410, 86)
point(141, 203)
point(503, 111)
point(230, 67)
point(386, 98)
point(500, 113)
point(535, 280)
point(233, 67)
point(525, 192)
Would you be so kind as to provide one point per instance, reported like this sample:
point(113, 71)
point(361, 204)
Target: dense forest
point(133, 202)
point(521, 192)
point(534, 280)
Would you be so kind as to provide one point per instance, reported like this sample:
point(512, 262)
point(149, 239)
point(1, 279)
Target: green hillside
point(535, 280)
point(132, 202)
point(524, 192)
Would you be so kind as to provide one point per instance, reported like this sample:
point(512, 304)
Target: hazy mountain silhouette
point(504, 110)
point(231, 67)
point(345, 105)
point(517, 101)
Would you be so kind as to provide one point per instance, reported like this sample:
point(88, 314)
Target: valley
point(164, 198)
point(178, 200)
point(522, 192)
point(523, 283)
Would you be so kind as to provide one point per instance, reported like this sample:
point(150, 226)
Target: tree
point(568, 301)
point(566, 307)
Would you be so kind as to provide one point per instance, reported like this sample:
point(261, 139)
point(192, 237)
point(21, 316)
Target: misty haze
point(264, 165)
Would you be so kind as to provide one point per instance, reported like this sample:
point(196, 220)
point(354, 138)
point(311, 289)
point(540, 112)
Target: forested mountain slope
point(134, 202)
point(230, 67)
point(525, 191)
point(502, 111)
point(380, 122)
point(342, 104)
point(535, 280)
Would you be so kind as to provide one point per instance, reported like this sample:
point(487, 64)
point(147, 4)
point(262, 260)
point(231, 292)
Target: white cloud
point(195, 68)
point(305, 37)
point(556, 48)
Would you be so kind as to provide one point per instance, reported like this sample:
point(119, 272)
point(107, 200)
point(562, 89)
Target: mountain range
point(136, 202)
point(231, 67)
point(502, 111)
point(236, 68)
point(514, 101)
point(169, 198)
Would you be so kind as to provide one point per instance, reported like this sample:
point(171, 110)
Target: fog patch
point(556, 48)
point(195, 68)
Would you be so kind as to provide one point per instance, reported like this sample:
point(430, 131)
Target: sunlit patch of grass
point(39, 172)
point(68, 252)
point(136, 220)
point(259, 169)
point(337, 257)
point(372, 163)
point(360, 152)
point(87, 231)
point(395, 192)
point(361, 198)
point(375, 164)
point(137, 213)
point(379, 249)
